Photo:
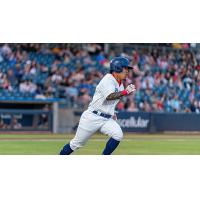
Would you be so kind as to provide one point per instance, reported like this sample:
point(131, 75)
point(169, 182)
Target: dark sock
point(111, 145)
point(66, 150)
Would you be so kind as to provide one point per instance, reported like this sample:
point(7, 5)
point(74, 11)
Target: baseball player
point(100, 115)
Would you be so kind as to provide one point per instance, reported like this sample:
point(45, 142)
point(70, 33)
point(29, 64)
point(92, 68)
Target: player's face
point(123, 74)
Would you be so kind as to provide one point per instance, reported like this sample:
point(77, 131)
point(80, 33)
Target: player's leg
point(66, 150)
point(111, 128)
point(88, 125)
point(77, 142)
point(111, 145)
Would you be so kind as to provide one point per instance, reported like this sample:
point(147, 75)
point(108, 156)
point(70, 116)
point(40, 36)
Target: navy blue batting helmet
point(118, 63)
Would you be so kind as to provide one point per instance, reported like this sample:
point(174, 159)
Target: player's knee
point(118, 135)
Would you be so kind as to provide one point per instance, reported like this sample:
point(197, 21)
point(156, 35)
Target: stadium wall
point(61, 119)
point(158, 122)
point(28, 116)
point(142, 122)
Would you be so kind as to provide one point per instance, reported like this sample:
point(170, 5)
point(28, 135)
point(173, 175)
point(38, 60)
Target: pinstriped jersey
point(105, 87)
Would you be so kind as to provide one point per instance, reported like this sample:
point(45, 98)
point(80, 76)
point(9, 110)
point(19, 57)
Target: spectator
point(84, 97)
point(43, 121)
point(166, 80)
point(27, 86)
point(4, 83)
point(15, 124)
point(72, 92)
point(175, 104)
point(130, 106)
point(56, 77)
point(11, 77)
point(2, 124)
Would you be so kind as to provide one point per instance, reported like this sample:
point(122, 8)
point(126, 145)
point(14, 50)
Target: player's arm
point(117, 95)
point(114, 96)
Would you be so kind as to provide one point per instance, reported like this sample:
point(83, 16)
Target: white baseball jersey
point(105, 87)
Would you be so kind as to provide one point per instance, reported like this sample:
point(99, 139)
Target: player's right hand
point(130, 88)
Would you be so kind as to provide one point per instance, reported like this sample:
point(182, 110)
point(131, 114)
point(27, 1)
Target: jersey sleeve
point(107, 87)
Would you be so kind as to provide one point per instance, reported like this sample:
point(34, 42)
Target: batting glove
point(130, 88)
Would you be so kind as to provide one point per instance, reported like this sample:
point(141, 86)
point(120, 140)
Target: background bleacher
point(168, 78)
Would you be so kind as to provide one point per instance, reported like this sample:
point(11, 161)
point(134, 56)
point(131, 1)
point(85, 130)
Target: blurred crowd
point(166, 80)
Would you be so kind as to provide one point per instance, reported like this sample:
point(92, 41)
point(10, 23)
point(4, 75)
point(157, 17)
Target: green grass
point(132, 144)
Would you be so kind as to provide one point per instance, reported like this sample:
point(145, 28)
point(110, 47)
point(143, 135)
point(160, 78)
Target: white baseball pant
point(90, 123)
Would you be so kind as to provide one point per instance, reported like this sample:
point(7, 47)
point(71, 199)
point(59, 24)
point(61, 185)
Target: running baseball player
point(100, 115)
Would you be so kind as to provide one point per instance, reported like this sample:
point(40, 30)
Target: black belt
point(102, 114)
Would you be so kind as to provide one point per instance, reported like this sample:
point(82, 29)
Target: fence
point(26, 120)
point(142, 122)
point(64, 120)
point(158, 122)
point(29, 116)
